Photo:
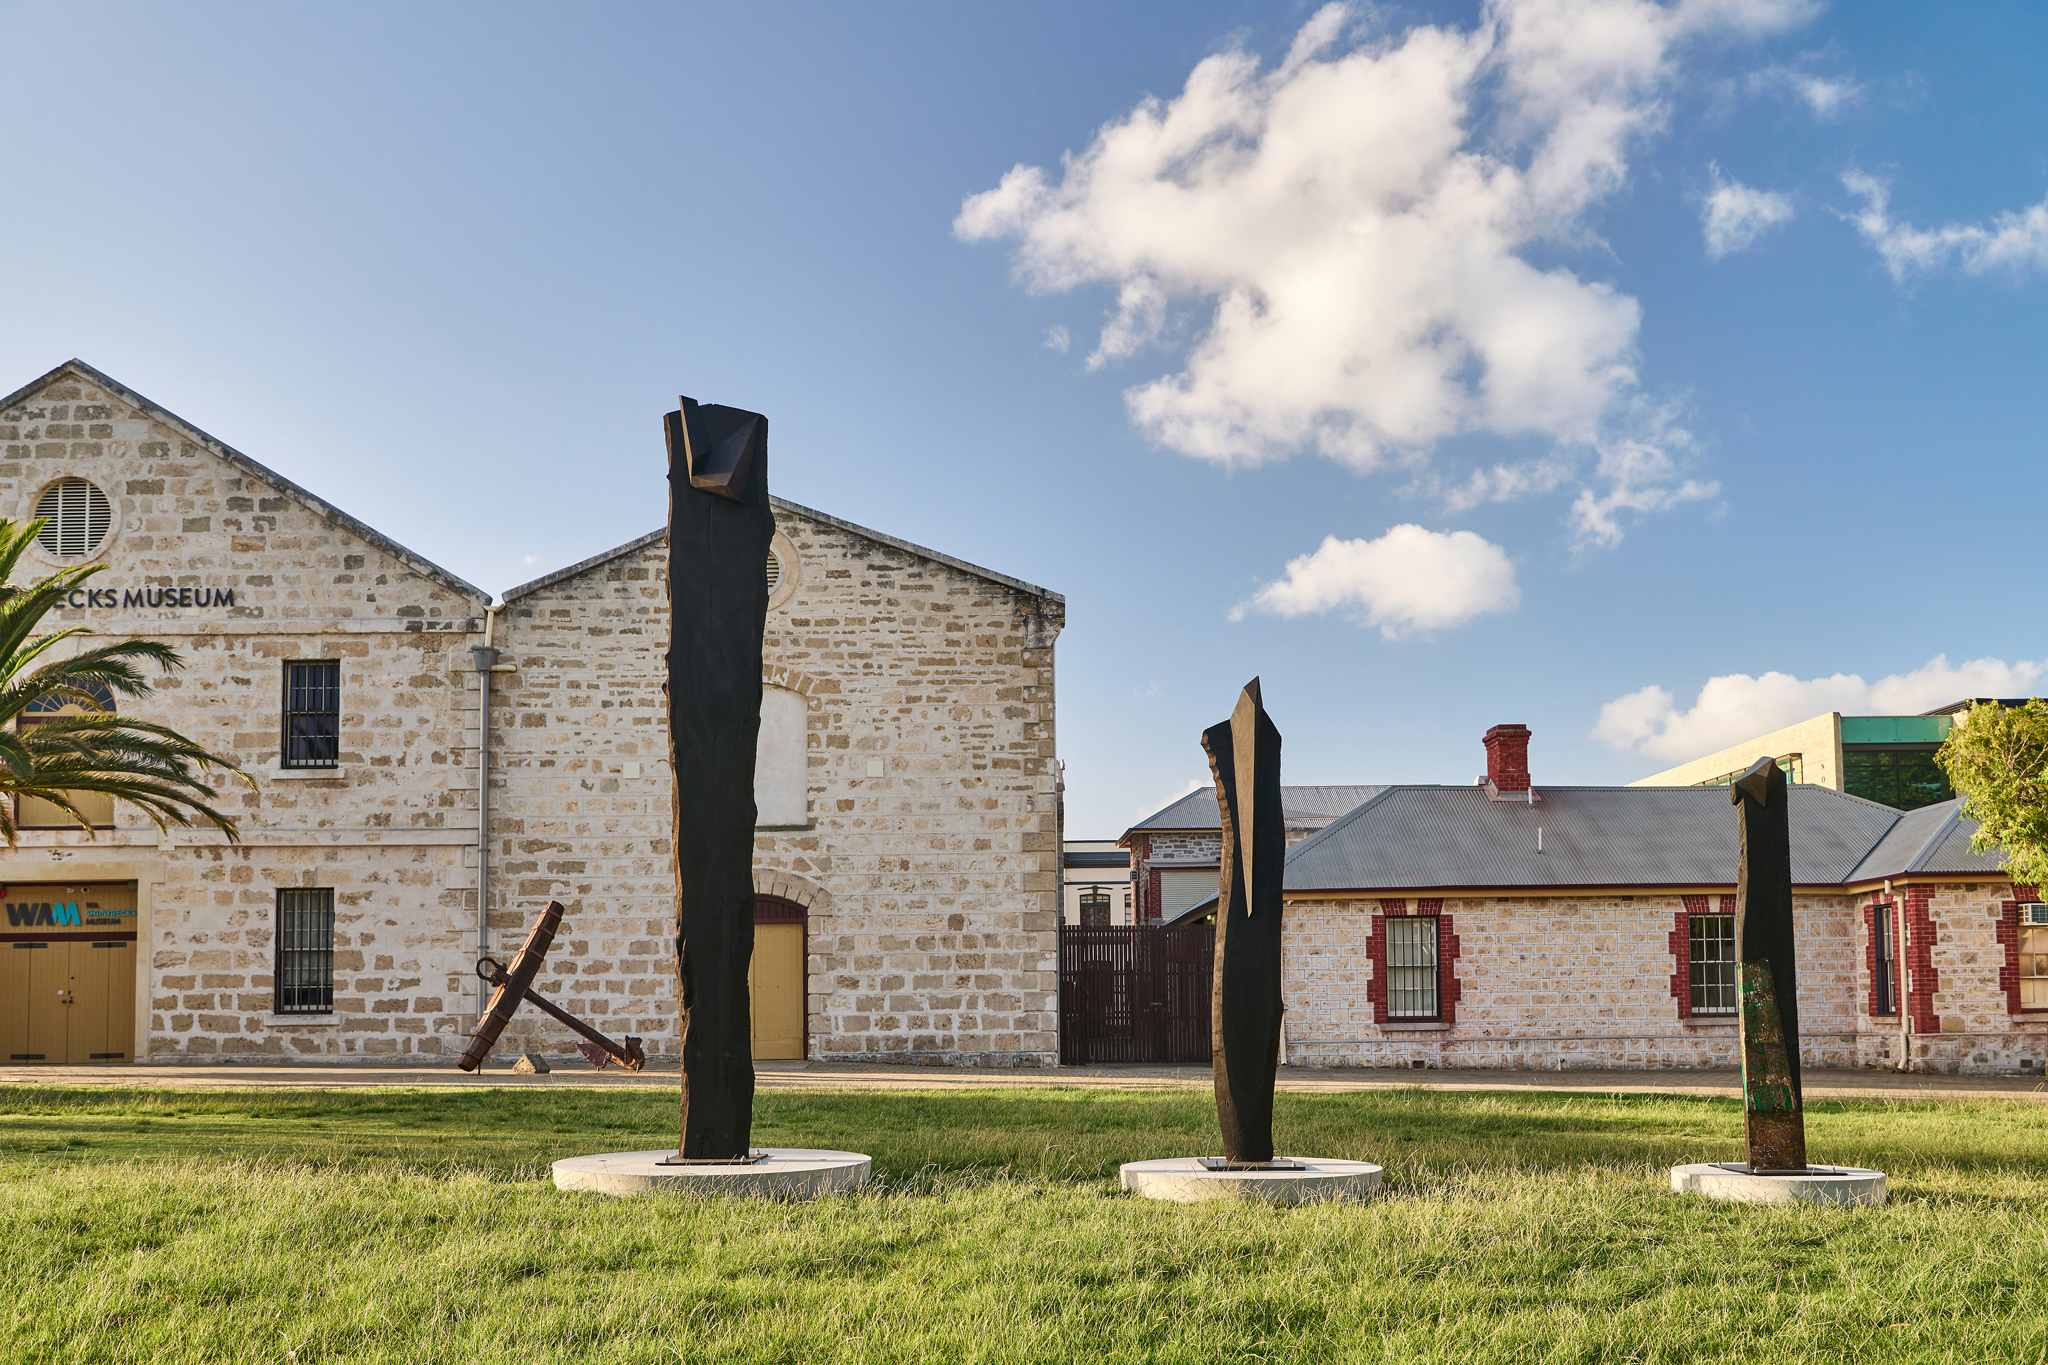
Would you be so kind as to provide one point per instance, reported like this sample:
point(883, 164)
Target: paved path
point(774, 1076)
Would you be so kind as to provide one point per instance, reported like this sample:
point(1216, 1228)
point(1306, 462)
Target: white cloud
point(1057, 338)
point(1408, 581)
point(1733, 215)
point(1736, 707)
point(2014, 242)
point(1826, 96)
point(1340, 239)
point(533, 559)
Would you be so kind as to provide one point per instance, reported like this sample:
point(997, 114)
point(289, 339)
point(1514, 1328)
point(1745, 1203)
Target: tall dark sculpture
point(719, 528)
point(1244, 755)
point(1767, 973)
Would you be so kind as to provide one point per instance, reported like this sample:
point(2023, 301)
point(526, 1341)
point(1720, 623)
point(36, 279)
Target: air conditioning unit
point(2034, 914)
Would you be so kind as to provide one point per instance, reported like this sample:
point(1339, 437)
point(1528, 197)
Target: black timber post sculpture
point(1244, 755)
point(719, 529)
point(1767, 973)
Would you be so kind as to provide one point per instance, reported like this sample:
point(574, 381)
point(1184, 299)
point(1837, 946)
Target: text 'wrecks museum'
point(430, 768)
point(907, 851)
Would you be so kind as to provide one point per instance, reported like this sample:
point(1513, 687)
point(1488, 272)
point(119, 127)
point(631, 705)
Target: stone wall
point(391, 830)
point(930, 866)
point(1549, 983)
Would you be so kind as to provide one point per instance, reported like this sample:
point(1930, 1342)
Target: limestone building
point(907, 852)
point(1513, 925)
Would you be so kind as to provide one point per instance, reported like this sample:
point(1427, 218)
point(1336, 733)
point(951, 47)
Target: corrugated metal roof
point(1415, 837)
point(1305, 808)
point(1931, 839)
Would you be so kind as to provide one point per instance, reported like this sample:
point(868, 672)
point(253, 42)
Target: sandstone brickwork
point(1576, 980)
point(929, 864)
point(391, 829)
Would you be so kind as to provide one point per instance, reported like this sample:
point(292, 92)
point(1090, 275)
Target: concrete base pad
point(1184, 1181)
point(1822, 1185)
point(787, 1173)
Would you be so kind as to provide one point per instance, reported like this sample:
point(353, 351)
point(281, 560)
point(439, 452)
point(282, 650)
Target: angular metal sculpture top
point(1767, 971)
point(719, 446)
point(1244, 755)
point(719, 528)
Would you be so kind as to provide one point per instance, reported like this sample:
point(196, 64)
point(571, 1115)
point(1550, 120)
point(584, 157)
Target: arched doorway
point(776, 980)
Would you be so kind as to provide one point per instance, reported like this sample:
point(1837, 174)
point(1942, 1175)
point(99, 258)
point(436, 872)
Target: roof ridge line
point(220, 449)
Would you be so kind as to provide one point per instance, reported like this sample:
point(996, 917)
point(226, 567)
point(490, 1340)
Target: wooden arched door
point(776, 980)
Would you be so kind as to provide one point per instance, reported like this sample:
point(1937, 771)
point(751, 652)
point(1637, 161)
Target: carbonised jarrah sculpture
point(1767, 972)
point(1244, 756)
point(719, 528)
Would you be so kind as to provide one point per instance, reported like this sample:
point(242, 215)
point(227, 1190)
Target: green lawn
point(419, 1226)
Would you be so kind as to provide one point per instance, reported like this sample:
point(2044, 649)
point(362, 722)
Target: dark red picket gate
point(1135, 994)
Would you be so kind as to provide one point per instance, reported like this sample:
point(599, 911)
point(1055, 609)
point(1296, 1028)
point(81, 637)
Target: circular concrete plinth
point(1827, 1185)
point(788, 1173)
point(1184, 1181)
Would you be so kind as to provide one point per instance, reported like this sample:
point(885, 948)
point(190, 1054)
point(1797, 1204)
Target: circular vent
point(77, 517)
point(774, 571)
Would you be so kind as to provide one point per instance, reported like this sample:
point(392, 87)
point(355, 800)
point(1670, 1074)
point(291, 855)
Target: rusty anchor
point(515, 983)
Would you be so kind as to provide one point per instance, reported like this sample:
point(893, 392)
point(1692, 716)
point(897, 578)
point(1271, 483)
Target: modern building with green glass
point(1888, 759)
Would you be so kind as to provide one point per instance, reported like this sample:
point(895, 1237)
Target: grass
point(419, 1226)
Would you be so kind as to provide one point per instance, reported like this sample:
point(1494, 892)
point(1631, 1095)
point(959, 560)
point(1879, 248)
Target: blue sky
point(1698, 344)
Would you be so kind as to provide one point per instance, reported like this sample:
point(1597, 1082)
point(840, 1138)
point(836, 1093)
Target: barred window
point(305, 952)
point(1411, 967)
point(312, 714)
point(1095, 908)
point(1712, 957)
point(1887, 982)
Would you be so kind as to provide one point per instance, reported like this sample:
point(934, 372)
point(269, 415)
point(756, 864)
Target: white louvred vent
point(78, 517)
point(2034, 914)
point(774, 571)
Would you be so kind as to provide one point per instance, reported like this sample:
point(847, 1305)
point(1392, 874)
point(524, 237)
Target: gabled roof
point(1418, 838)
point(1932, 839)
point(798, 509)
point(221, 450)
point(1304, 807)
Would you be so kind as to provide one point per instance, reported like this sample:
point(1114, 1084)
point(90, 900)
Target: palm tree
point(149, 766)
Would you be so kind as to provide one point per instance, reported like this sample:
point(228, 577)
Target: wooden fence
point(1135, 994)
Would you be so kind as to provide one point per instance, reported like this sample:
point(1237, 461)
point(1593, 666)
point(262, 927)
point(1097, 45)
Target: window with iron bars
point(1885, 924)
point(1411, 967)
point(1095, 908)
point(305, 952)
point(312, 714)
point(1711, 956)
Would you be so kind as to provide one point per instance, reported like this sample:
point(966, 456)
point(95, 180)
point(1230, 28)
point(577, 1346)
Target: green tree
point(149, 766)
point(1997, 760)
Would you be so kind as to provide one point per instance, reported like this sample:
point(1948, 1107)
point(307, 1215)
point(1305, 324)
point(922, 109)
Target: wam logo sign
point(34, 914)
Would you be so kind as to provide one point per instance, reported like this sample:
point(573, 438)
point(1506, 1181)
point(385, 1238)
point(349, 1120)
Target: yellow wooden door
point(102, 1003)
point(14, 998)
point(49, 993)
point(775, 980)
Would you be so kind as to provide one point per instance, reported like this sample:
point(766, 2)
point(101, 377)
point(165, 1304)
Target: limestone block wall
point(930, 864)
point(391, 830)
point(1961, 1019)
point(1549, 982)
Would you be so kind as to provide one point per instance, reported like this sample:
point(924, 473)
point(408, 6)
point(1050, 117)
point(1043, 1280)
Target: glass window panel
point(1887, 960)
point(312, 715)
point(305, 951)
point(2033, 968)
point(1411, 967)
point(1711, 955)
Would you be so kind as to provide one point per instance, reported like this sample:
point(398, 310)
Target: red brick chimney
point(1507, 759)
